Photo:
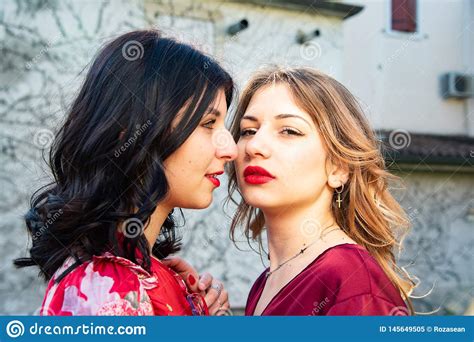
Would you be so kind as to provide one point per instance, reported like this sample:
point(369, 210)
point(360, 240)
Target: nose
point(257, 145)
point(225, 145)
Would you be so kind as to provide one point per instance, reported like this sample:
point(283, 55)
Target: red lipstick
point(257, 175)
point(213, 178)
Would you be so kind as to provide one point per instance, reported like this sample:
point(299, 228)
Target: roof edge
point(331, 8)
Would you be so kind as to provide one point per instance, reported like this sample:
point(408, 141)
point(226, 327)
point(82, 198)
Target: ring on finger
point(218, 288)
point(224, 311)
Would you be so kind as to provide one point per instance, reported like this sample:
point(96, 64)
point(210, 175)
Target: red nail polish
point(191, 280)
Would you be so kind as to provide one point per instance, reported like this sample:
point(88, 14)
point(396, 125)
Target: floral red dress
point(111, 285)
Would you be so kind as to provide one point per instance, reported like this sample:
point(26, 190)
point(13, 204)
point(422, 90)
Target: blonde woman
point(310, 172)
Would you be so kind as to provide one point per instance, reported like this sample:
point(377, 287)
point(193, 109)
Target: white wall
point(396, 76)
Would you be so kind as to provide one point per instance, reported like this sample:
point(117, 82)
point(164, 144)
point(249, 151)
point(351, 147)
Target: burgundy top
point(343, 280)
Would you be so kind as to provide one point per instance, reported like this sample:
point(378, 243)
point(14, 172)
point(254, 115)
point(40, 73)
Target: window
point(404, 16)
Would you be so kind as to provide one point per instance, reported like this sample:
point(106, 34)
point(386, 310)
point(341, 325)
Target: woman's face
point(281, 160)
point(192, 169)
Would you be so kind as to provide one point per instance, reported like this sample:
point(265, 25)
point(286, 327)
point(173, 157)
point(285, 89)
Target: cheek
point(305, 168)
point(185, 171)
point(240, 154)
point(187, 163)
point(198, 152)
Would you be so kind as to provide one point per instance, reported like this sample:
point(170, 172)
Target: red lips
point(257, 175)
point(212, 177)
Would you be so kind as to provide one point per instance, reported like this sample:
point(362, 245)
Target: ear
point(338, 175)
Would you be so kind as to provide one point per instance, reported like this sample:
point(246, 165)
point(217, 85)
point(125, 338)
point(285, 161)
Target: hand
point(216, 297)
point(188, 273)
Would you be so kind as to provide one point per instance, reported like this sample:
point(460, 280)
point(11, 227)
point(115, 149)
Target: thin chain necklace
point(269, 273)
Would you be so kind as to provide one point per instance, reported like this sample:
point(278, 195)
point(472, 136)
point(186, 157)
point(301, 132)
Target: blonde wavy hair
point(369, 214)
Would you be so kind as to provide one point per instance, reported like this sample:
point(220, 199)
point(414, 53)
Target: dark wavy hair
point(107, 158)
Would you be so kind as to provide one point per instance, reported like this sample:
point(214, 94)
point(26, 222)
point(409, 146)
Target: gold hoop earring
point(339, 196)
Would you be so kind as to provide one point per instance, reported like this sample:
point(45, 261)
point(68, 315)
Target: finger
point(214, 296)
point(222, 300)
point(191, 282)
point(221, 304)
point(205, 281)
point(211, 297)
point(178, 264)
point(224, 311)
point(213, 292)
point(185, 270)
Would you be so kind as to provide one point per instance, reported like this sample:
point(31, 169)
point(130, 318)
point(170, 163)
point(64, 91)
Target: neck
point(291, 229)
point(157, 219)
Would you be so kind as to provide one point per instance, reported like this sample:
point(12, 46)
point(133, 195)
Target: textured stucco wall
point(439, 250)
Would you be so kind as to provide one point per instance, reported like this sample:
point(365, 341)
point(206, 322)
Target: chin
point(258, 200)
point(197, 203)
point(203, 203)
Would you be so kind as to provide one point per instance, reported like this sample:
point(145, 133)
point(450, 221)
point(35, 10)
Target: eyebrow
point(278, 117)
point(214, 111)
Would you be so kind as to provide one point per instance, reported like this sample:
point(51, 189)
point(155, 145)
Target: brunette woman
point(144, 136)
